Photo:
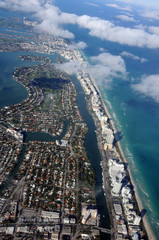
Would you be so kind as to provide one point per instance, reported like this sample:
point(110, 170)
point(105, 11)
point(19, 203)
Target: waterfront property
point(54, 183)
point(54, 178)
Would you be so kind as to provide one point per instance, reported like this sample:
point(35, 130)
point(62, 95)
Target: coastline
point(124, 159)
point(148, 229)
point(121, 153)
point(52, 148)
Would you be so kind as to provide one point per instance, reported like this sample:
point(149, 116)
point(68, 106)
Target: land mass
point(48, 187)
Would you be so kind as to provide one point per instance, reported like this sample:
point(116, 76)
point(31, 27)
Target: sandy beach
point(121, 153)
point(148, 229)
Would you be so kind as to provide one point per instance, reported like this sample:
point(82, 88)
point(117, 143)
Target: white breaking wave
point(117, 123)
point(104, 96)
point(109, 103)
point(110, 108)
point(130, 158)
point(145, 193)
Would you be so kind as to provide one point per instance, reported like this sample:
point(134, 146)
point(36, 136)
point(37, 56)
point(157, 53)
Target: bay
point(9, 65)
point(11, 92)
point(136, 116)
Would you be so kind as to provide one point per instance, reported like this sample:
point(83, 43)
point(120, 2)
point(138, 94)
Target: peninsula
point(47, 183)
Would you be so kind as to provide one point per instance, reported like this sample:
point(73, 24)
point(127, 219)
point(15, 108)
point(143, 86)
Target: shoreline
point(121, 153)
point(146, 224)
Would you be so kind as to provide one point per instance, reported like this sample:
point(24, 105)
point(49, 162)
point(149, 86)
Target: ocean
point(135, 116)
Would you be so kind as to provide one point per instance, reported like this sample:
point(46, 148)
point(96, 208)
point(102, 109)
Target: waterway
point(44, 137)
point(11, 92)
point(90, 143)
point(135, 113)
point(93, 155)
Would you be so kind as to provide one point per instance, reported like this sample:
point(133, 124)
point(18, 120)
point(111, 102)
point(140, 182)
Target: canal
point(90, 144)
point(94, 156)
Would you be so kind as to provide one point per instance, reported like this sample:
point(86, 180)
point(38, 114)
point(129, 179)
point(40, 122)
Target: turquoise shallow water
point(136, 116)
point(93, 153)
point(10, 91)
point(138, 122)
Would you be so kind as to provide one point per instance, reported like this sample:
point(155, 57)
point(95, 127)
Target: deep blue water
point(136, 116)
point(11, 92)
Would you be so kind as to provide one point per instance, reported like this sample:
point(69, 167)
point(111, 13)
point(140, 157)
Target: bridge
point(104, 230)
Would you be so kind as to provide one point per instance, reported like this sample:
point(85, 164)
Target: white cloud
point(17, 5)
point(71, 67)
point(91, 4)
point(149, 87)
point(154, 30)
point(102, 50)
point(81, 45)
point(50, 16)
point(130, 55)
point(141, 27)
point(125, 18)
point(119, 7)
point(115, 63)
point(106, 67)
point(126, 1)
point(151, 14)
point(51, 19)
point(46, 26)
point(106, 30)
point(144, 3)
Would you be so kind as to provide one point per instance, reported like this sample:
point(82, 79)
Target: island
point(47, 182)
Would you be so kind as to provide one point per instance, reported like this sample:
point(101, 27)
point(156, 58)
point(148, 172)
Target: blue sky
point(153, 3)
